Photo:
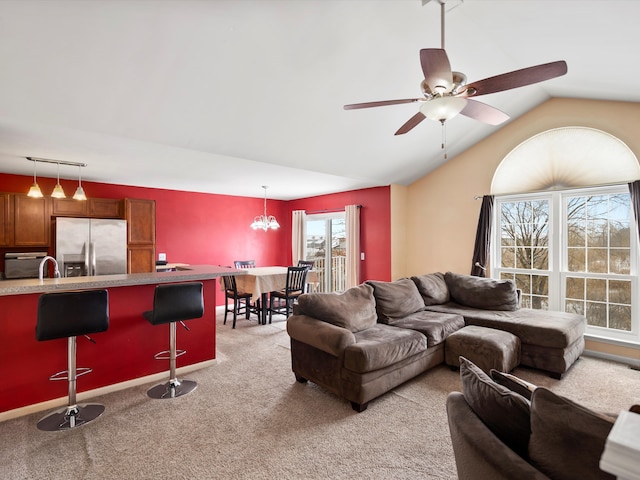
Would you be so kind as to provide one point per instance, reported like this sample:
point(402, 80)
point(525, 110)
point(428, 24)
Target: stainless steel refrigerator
point(91, 246)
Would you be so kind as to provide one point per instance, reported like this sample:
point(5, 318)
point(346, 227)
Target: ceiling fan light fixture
point(443, 108)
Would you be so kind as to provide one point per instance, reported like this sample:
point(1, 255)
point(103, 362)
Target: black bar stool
point(174, 303)
point(70, 314)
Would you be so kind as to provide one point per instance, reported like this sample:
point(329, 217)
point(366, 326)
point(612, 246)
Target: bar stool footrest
point(166, 354)
point(64, 374)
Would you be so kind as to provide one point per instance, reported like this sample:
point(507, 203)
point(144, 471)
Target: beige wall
point(399, 211)
point(441, 213)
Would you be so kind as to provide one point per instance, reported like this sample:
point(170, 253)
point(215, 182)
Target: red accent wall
point(201, 228)
point(375, 225)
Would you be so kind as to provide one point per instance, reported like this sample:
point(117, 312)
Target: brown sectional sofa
point(362, 343)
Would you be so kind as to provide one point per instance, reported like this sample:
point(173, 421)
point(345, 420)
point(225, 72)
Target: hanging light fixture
point(35, 191)
point(58, 191)
point(263, 221)
point(79, 195)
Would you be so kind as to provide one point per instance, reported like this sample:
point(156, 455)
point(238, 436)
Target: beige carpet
point(250, 419)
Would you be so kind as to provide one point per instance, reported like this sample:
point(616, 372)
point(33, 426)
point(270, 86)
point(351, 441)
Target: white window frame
point(557, 268)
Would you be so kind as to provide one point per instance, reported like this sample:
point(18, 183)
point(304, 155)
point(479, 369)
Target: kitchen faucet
point(56, 272)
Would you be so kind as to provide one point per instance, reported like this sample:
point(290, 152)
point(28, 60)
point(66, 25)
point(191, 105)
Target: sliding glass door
point(326, 244)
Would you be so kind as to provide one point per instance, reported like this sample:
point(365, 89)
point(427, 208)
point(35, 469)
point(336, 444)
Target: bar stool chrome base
point(172, 389)
point(70, 417)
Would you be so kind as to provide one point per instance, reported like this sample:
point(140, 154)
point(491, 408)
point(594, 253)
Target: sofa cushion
point(435, 326)
point(354, 309)
point(396, 299)
point(485, 293)
point(513, 383)
point(433, 288)
point(567, 439)
point(504, 412)
point(380, 346)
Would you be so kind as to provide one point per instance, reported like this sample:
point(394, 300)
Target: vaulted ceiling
point(224, 96)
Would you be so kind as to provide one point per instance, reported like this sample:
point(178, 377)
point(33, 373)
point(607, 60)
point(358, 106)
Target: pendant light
point(79, 195)
point(35, 191)
point(263, 221)
point(58, 192)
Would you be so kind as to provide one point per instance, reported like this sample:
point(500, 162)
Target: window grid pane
point(593, 266)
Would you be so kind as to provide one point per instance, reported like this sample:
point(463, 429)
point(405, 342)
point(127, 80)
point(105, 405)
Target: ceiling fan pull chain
point(444, 138)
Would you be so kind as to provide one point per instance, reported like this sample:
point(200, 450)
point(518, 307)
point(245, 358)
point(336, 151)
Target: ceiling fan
point(446, 93)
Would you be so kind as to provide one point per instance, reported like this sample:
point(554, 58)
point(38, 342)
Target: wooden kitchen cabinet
point(92, 208)
point(106, 208)
point(141, 221)
point(31, 221)
point(141, 235)
point(141, 259)
point(6, 220)
point(68, 207)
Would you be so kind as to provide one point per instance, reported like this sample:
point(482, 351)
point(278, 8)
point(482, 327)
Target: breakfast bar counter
point(120, 356)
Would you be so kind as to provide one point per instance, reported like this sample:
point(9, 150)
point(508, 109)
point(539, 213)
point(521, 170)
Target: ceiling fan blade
point(412, 122)
point(484, 113)
point(436, 68)
point(383, 103)
point(517, 78)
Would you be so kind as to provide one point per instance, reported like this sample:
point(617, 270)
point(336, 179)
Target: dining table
point(259, 281)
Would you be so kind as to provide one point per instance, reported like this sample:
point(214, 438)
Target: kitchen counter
point(122, 356)
point(184, 274)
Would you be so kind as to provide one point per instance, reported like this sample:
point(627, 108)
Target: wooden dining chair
point(240, 264)
point(281, 301)
point(310, 264)
point(241, 300)
point(256, 307)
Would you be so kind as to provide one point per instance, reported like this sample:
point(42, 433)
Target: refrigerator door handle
point(93, 258)
point(86, 258)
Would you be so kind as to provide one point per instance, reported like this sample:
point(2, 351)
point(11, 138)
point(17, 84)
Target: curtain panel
point(483, 238)
point(634, 191)
point(352, 219)
point(298, 236)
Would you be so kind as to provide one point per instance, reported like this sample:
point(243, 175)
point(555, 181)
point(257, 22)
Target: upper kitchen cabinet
point(68, 207)
point(6, 220)
point(92, 208)
point(31, 221)
point(107, 208)
point(141, 221)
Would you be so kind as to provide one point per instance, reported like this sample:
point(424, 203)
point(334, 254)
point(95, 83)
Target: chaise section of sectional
point(550, 341)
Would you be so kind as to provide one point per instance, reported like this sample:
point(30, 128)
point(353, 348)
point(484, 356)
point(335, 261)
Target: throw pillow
point(567, 439)
point(433, 288)
point(504, 412)
point(485, 293)
point(513, 383)
point(354, 309)
point(396, 299)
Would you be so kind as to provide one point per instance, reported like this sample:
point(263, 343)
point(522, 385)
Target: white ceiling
point(225, 96)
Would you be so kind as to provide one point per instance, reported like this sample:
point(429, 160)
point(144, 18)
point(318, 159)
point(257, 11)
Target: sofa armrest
point(321, 335)
point(478, 452)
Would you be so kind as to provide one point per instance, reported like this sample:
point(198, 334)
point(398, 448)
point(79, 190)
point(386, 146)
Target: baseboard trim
point(632, 362)
point(82, 396)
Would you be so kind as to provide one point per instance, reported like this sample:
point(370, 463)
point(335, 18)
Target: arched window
point(564, 228)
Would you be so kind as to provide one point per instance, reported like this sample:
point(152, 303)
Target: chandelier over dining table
point(264, 221)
